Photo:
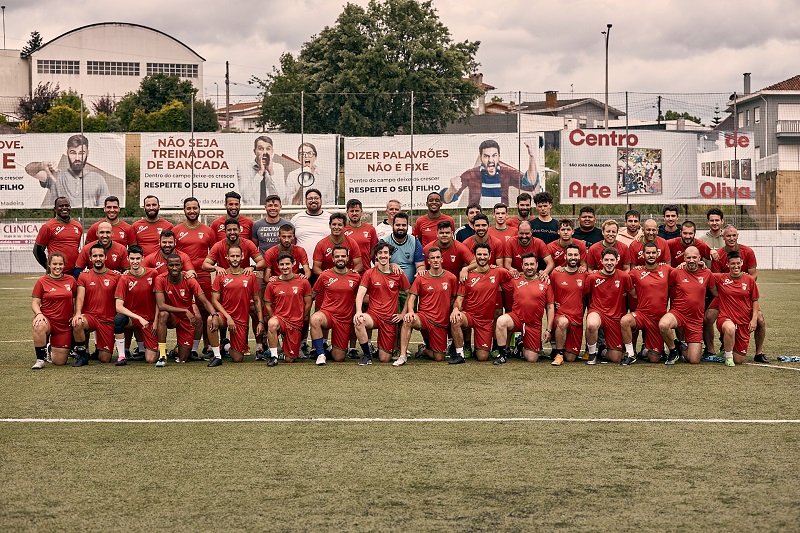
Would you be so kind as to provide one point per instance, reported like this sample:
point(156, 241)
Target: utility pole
point(227, 98)
point(659, 111)
point(607, 33)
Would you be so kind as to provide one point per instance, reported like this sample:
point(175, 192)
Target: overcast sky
point(669, 46)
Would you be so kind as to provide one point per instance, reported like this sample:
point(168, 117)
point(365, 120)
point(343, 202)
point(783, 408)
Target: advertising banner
point(175, 166)
point(482, 168)
point(19, 234)
point(656, 167)
point(37, 168)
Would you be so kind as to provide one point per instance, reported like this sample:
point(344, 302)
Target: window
point(757, 115)
point(741, 119)
point(173, 69)
point(747, 117)
point(57, 66)
point(112, 68)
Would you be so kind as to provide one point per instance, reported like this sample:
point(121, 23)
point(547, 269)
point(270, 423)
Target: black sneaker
point(672, 357)
point(261, 355)
point(215, 362)
point(138, 356)
point(352, 353)
point(121, 361)
point(592, 359)
point(366, 360)
point(194, 356)
point(81, 360)
point(628, 360)
point(457, 360)
point(760, 358)
point(272, 361)
point(499, 360)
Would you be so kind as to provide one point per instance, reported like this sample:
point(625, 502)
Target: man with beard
point(310, 176)
point(558, 248)
point(383, 286)
point(455, 255)
point(148, 229)
point(323, 252)
point(360, 232)
point(649, 234)
point(527, 243)
point(425, 226)
point(116, 253)
point(95, 308)
point(651, 282)
point(231, 296)
point(532, 297)
point(121, 230)
point(166, 247)
point(523, 210)
point(608, 288)
point(435, 290)
point(594, 254)
point(265, 229)
point(75, 183)
point(59, 234)
point(474, 306)
point(679, 245)
point(586, 230)
point(217, 259)
point(232, 206)
point(738, 309)
point(286, 245)
point(567, 283)
point(287, 307)
point(136, 307)
point(175, 297)
point(496, 246)
point(632, 230)
point(468, 230)
point(408, 254)
point(490, 182)
point(713, 237)
point(336, 288)
point(311, 225)
point(687, 292)
point(264, 177)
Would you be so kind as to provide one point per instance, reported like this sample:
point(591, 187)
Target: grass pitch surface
point(400, 475)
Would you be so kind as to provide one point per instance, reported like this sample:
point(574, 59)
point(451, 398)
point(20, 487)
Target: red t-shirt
point(157, 261)
point(677, 250)
point(323, 252)
point(116, 256)
point(236, 291)
point(504, 235)
point(365, 238)
point(99, 299)
point(497, 248)
point(652, 289)
point(245, 224)
point(515, 251)
point(514, 221)
point(147, 234)
point(219, 253)
point(568, 292)
point(687, 290)
point(559, 253)
point(287, 298)
point(136, 293)
point(453, 258)
point(425, 228)
point(339, 293)
point(748, 260)
point(594, 256)
point(608, 292)
point(181, 294)
point(271, 258)
point(636, 252)
point(531, 297)
point(56, 296)
point(120, 232)
point(195, 243)
point(62, 237)
point(736, 297)
point(435, 295)
point(384, 291)
point(480, 291)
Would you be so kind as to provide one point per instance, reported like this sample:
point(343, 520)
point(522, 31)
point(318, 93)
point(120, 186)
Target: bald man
point(116, 253)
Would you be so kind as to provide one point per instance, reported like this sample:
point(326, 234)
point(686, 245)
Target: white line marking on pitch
point(15, 288)
point(771, 366)
point(393, 420)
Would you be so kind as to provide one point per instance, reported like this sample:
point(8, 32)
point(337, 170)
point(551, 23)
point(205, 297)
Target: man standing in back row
point(147, 230)
point(425, 226)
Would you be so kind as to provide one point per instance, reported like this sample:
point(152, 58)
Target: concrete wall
point(14, 81)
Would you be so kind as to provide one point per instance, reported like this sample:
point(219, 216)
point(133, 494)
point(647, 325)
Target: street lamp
point(607, 33)
point(217, 86)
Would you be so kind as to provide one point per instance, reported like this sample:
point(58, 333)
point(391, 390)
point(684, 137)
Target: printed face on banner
point(175, 165)
point(37, 168)
point(485, 168)
point(656, 167)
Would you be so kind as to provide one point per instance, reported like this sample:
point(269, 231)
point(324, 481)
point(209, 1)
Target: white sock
point(592, 348)
point(259, 345)
point(217, 354)
point(629, 349)
point(460, 351)
point(729, 355)
point(120, 347)
point(195, 345)
point(273, 352)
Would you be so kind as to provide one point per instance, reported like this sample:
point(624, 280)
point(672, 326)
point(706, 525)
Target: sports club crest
point(351, 282)
point(616, 283)
point(579, 282)
point(391, 284)
point(183, 293)
point(68, 287)
point(244, 282)
point(132, 284)
point(366, 235)
point(294, 290)
point(201, 234)
point(106, 282)
point(444, 285)
point(661, 274)
point(744, 286)
point(452, 258)
point(541, 287)
point(700, 279)
point(114, 257)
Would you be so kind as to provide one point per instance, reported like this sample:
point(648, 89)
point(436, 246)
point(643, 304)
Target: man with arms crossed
point(567, 283)
point(136, 307)
point(383, 286)
point(738, 309)
point(59, 234)
point(287, 308)
point(435, 290)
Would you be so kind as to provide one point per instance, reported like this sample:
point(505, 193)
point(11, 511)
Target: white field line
point(15, 288)
point(393, 420)
point(772, 366)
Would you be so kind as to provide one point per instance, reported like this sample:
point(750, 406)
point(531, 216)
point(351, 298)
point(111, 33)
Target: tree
point(359, 73)
point(39, 102)
point(33, 44)
point(717, 119)
point(64, 116)
point(674, 115)
point(105, 104)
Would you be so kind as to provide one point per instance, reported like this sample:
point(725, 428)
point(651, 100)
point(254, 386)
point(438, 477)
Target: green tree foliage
point(64, 116)
point(359, 73)
point(39, 102)
point(163, 103)
point(674, 115)
point(33, 44)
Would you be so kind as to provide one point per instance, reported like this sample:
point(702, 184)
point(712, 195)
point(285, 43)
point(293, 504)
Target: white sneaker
point(400, 361)
point(321, 360)
point(38, 365)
